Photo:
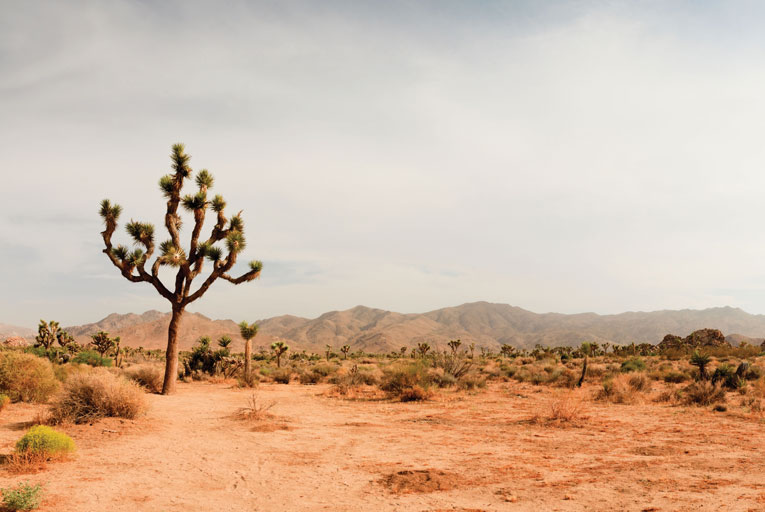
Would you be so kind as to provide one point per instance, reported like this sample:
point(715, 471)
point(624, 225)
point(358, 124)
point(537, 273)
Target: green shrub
point(24, 496)
point(97, 394)
point(634, 364)
point(45, 442)
point(401, 377)
point(325, 369)
point(26, 378)
point(91, 358)
point(725, 374)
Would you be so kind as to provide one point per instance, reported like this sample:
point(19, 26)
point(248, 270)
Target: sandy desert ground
point(460, 452)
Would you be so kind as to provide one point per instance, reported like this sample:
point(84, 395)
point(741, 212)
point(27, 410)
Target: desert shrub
point(146, 376)
point(266, 371)
point(91, 358)
point(24, 496)
point(471, 381)
point(4, 401)
point(413, 394)
point(670, 395)
point(622, 389)
point(633, 364)
point(596, 371)
point(703, 393)
point(282, 375)
point(26, 378)
point(566, 409)
point(675, 377)
point(400, 379)
point(754, 373)
point(44, 442)
point(639, 382)
point(324, 369)
point(255, 410)
point(310, 377)
point(725, 374)
point(441, 379)
point(94, 395)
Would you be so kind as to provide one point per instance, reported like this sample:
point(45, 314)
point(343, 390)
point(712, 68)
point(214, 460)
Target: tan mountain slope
point(7, 331)
point(482, 323)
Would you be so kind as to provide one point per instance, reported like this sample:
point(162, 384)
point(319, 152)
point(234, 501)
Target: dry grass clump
point(255, 410)
point(624, 388)
point(568, 409)
point(703, 393)
point(407, 382)
point(99, 394)
point(146, 376)
point(26, 378)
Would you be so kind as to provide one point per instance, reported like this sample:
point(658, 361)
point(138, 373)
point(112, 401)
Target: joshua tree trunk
point(247, 358)
point(584, 372)
point(171, 356)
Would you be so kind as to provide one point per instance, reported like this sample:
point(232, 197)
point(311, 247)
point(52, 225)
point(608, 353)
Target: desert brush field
point(509, 432)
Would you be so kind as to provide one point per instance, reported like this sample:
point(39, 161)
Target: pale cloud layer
point(579, 156)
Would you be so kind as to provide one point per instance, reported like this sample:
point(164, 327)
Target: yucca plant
point(46, 334)
point(345, 349)
point(701, 361)
point(134, 265)
point(423, 348)
point(454, 345)
point(248, 331)
point(279, 348)
point(102, 343)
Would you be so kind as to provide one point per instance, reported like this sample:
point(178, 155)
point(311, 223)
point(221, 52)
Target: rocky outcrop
point(15, 342)
point(696, 339)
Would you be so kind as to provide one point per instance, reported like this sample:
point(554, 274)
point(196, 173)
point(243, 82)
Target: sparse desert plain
point(519, 436)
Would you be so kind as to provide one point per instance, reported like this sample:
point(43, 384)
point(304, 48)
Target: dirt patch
point(421, 480)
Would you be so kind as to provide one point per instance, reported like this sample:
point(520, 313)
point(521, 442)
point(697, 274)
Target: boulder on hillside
point(696, 339)
point(15, 342)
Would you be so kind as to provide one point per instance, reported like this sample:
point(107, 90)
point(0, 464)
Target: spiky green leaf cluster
point(218, 204)
point(167, 185)
point(142, 232)
point(204, 179)
point(196, 202)
point(180, 161)
point(248, 331)
point(256, 265)
point(135, 258)
point(235, 242)
point(110, 212)
point(210, 252)
point(120, 252)
point(236, 223)
point(171, 255)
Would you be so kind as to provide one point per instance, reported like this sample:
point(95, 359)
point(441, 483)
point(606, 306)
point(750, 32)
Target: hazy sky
point(572, 156)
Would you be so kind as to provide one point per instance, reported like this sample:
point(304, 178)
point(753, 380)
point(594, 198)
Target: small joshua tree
point(248, 331)
point(133, 265)
point(402, 351)
point(279, 348)
point(423, 348)
point(224, 342)
point(329, 351)
point(46, 334)
point(102, 342)
point(506, 350)
point(472, 350)
point(345, 349)
point(118, 352)
point(586, 350)
point(701, 361)
point(66, 341)
point(454, 345)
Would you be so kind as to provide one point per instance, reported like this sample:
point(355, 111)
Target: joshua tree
point(66, 341)
point(345, 349)
point(224, 342)
point(454, 345)
point(423, 348)
point(279, 348)
point(702, 361)
point(472, 350)
point(117, 353)
point(506, 350)
point(133, 264)
point(329, 351)
point(46, 334)
point(102, 342)
point(402, 351)
point(586, 350)
point(248, 331)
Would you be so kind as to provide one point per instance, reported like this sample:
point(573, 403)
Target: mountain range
point(485, 324)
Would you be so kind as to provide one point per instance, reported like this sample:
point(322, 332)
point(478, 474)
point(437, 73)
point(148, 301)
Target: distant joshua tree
point(133, 264)
point(328, 351)
point(102, 343)
point(345, 349)
point(46, 334)
point(403, 350)
point(454, 345)
point(423, 348)
point(279, 348)
point(248, 331)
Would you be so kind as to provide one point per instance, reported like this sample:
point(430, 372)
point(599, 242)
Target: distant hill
point(485, 324)
point(7, 331)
